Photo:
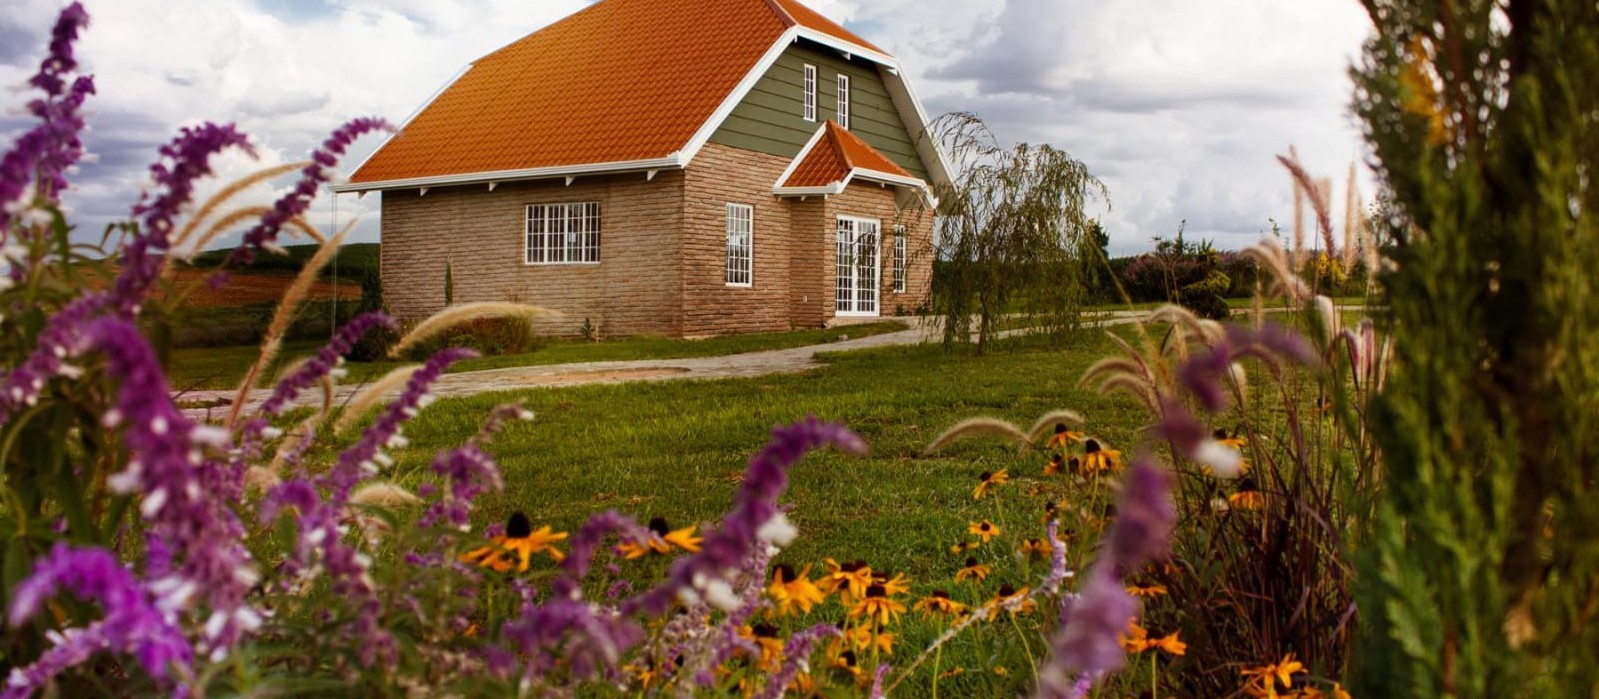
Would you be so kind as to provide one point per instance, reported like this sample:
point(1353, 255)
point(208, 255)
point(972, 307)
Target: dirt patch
point(251, 288)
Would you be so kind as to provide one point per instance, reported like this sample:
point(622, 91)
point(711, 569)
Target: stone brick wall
point(868, 200)
point(635, 289)
point(722, 175)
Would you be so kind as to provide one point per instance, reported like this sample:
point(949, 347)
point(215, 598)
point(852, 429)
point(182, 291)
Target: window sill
point(560, 264)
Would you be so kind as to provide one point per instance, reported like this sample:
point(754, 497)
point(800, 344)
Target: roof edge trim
point(676, 161)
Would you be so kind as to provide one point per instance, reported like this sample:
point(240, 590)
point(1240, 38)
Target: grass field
point(677, 449)
point(223, 367)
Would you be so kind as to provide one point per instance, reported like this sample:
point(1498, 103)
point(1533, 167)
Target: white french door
point(857, 267)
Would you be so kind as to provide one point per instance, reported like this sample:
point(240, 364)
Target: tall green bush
point(1481, 577)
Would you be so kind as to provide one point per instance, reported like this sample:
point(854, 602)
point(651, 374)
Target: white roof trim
point(848, 47)
point(672, 162)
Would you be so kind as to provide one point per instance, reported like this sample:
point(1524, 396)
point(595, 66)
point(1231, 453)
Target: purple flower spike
point(325, 360)
point(754, 506)
point(877, 681)
point(1086, 645)
point(299, 199)
point(48, 150)
point(132, 623)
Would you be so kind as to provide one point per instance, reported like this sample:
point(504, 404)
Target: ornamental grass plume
point(184, 240)
point(368, 397)
point(465, 313)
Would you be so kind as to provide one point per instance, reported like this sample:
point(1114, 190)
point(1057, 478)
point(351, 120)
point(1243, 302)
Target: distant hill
point(352, 260)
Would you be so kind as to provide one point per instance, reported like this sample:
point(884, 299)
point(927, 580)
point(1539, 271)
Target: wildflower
point(960, 547)
point(1248, 496)
point(765, 638)
point(1151, 590)
point(1097, 458)
point(972, 571)
point(877, 605)
point(515, 549)
point(662, 539)
point(1170, 644)
point(1001, 671)
point(987, 481)
point(1051, 510)
point(1056, 465)
point(939, 603)
point(796, 653)
point(1014, 601)
point(849, 580)
point(863, 638)
point(1036, 548)
point(793, 594)
point(1062, 435)
point(897, 584)
point(984, 530)
point(1235, 442)
point(1267, 677)
point(1134, 640)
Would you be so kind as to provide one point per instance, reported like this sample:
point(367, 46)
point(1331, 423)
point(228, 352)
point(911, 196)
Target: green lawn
point(676, 449)
point(202, 368)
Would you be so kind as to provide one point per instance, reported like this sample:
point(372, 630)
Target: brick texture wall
point(633, 290)
point(663, 250)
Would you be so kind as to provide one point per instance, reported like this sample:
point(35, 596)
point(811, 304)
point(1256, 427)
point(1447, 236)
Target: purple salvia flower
point(184, 495)
point(45, 153)
point(74, 647)
point(754, 506)
point(588, 637)
point(586, 542)
point(183, 162)
point(796, 653)
point(468, 472)
point(1086, 644)
point(133, 623)
point(877, 681)
point(61, 338)
point(265, 232)
point(1057, 560)
point(324, 361)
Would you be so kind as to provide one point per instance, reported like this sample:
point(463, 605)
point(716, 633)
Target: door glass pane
point(866, 267)
point(844, 300)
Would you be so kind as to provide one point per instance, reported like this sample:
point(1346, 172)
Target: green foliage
point(1013, 236)
point(1188, 274)
point(375, 344)
point(449, 284)
point(352, 260)
point(489, 336)
point(588, 331)
point(1484, 568)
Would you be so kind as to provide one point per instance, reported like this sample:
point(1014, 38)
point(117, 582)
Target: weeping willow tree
point(1481, 573)
point(1013, 236)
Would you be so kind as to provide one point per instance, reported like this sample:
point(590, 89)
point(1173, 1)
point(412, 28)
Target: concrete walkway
point(763, 363)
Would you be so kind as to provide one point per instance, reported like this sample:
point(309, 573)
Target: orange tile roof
point(835, 156)
point(619, 81)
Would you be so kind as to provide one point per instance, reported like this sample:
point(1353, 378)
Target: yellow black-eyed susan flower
point(1097, 458)
point(848, 662)
point(1014, 601)
point(960, 547)
point(662, 539)
point(1170, 644)
point(1266, 679)
point(1234, 442)
point(765, 637)
point(863, 638)
point(984, 530)
point(1063, 436)
point(1036, 548)
point(1248, 496)
point(1056, 465)
point(972, 571)
point(1146, 590)
point(793, 594)
point(1135, 639)
point(939, 604)
point(877, 605)
point(848, 580)
point(516, 548)
point(988, 481)
point(895, 584)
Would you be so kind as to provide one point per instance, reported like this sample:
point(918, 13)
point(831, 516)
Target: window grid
point(740, 245)
point(899, 259)
point(810, 92)
point(844, 299)
point(843, 101)
point(563, 234)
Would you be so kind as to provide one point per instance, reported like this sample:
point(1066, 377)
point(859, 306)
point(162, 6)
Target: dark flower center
point(971, 563)
point(518, 527)
point(1060, 428)
point(985, 476)
point(764, 630)
point(876, 591)
point(1219, 434)
point(1247, 485)
point(785, 573)
point(1090, 446)
point(986, 526)
point(658, 525)
point(848, 657)
point(940, 594)
point(1006, 590)
point(850, 567)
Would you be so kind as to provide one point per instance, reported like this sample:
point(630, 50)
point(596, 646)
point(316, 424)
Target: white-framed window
point(843, 100)
point(810, 92)
point(563, 234)
point(857, 267)
point(899, 259)
point(740, 245)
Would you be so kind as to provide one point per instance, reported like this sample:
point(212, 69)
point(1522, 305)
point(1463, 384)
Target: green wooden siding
point(771, 118)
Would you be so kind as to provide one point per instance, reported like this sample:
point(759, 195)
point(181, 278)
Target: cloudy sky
point(1177, 105)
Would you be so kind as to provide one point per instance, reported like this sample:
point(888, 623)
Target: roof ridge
point(782, 14)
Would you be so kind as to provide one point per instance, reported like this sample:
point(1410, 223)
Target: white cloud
point(1179, 106)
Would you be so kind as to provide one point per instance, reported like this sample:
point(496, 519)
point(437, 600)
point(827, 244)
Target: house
point(674, 167)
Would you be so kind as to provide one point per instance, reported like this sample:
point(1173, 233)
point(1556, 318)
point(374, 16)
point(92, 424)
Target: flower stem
point(938, 667)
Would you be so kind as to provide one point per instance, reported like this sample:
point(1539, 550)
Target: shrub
point(487, 336)
point(374, 345)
